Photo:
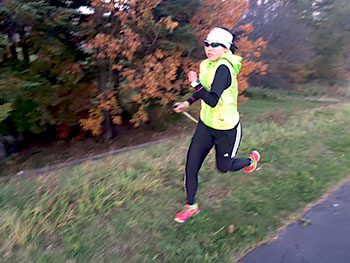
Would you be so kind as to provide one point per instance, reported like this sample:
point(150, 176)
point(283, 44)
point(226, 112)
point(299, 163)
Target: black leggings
point(226, 145)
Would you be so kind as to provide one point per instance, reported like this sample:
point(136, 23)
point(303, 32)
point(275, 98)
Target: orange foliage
point(157, 81)
point(169, 23)
point(107, 102)
point(154, 77)
point(218, 13)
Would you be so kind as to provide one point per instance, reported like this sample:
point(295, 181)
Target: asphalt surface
point(323, 236)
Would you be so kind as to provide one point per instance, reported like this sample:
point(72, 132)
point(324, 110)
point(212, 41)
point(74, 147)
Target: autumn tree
point(139, 53)
point(144, 59)
point(137, 61)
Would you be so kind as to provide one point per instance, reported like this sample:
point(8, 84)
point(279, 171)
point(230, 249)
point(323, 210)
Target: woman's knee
point(222, 168)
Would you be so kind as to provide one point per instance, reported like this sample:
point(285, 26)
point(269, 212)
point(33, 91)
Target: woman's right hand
point(181, 106)
point(192, 75)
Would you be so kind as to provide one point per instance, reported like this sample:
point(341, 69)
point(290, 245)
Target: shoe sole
point(179, 221)
point(257, 153)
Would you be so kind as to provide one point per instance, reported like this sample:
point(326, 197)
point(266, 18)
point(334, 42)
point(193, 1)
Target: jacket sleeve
point(222, 81)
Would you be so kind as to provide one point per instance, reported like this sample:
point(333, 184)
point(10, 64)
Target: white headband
point(221, 36)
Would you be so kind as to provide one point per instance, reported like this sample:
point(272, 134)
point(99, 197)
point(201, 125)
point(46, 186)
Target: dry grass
point(121, 208)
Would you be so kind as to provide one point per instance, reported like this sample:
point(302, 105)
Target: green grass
point(256, 108)
point(121, 209)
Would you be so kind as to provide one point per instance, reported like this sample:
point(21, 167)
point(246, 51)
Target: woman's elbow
point(213, 104)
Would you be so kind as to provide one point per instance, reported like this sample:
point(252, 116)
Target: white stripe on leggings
point(237, 141)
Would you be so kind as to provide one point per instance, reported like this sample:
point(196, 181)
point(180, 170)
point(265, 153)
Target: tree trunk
point(5, 55)
point(102, 82)
point(13, 51)
point(116, 83)
point(25, 51)
point(103, 76)
point(24, 46)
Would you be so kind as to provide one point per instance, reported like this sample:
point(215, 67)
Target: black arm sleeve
point(222, 81)
point(193, 98)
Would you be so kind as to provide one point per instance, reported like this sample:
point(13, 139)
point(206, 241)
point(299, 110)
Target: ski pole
point(190, 116)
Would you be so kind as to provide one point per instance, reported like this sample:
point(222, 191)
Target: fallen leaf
point(231, 229)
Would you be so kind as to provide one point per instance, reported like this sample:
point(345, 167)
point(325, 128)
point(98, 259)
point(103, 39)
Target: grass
point(256, 107)
point(121, 209)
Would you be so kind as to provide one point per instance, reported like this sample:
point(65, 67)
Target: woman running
point(219, 123)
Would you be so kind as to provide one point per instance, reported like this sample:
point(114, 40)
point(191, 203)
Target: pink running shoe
point(255, 157)
point(190, 210)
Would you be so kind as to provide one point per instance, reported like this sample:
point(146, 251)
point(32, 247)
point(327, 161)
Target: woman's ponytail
point(233, 47)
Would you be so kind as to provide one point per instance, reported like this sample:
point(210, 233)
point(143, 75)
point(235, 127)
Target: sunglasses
point(213, 44)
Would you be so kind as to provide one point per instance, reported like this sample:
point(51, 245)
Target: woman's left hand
point(192, 76)
point(181, 106)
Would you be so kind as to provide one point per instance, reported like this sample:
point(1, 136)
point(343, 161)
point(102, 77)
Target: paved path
point(322, 237)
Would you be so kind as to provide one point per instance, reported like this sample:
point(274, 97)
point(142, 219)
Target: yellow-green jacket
point(224, 115)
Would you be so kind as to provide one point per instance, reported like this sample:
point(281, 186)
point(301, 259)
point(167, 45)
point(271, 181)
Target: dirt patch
point(35, 156)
